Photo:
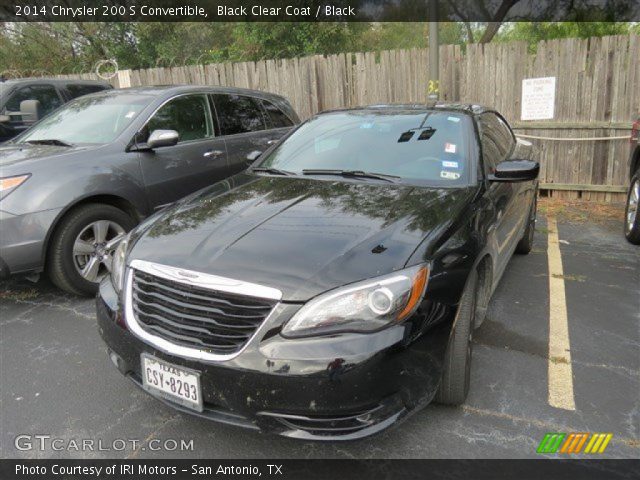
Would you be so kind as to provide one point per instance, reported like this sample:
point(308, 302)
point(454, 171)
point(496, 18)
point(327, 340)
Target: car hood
point(23, 153)
point(301, 236)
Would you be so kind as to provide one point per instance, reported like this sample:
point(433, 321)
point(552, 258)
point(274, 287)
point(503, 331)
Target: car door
point(245, 127)
point(498, 143)
point(198, 159)
point(48, 96)
point(523, 191)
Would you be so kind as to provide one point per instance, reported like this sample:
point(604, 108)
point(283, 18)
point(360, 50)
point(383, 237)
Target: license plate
point(177, 384)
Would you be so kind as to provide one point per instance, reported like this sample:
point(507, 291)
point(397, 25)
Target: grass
point(576, 211)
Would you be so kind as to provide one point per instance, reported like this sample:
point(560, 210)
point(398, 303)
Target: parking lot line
point(560, 369)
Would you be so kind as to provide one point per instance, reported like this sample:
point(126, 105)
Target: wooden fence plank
point(597, 81)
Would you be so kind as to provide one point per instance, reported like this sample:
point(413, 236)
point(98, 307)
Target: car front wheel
point(456, 373)
point(631, 215)
point(82, 247)
point(526, 242)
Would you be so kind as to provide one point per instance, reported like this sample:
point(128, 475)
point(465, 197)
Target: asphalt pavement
point(57, 382)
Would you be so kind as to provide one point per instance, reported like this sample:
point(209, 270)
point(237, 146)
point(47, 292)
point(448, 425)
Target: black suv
point(50, 93)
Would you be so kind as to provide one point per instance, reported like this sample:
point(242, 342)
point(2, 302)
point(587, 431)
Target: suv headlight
point(118, 264)
point(364, 306)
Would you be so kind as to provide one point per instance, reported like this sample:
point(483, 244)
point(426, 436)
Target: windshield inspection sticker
point(453, 119)
point(447, 164)
point(449, 175)
point(450, 147)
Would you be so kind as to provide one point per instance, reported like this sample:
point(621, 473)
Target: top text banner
point(317, 11)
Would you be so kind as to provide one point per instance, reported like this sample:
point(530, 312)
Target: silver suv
point(76, 182)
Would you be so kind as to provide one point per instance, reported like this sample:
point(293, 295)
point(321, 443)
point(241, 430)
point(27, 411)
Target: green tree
point(534, 32)
point(258, 40)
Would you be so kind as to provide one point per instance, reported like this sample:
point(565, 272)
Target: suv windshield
point(93, 119)
point(430, 148)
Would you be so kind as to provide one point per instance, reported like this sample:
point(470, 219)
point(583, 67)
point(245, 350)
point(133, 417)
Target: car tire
point(526, 242)
point(79, 230)
point(456, 373)
point(631, 214)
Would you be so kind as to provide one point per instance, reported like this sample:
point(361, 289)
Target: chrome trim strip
point(206, 280)
point(210, 282)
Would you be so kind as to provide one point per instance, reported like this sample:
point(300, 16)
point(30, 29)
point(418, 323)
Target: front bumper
point(341, 387)
point(22, 240)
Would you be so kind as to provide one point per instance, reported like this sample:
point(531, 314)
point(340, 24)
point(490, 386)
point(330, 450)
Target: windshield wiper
point(50, 141)
point(273, 171)
point(352, 174)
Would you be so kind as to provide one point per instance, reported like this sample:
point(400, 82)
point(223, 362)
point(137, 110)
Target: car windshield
point(428, 148)
point(92, 119)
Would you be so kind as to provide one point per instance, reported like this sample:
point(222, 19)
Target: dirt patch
point(18, 295)
point(575, 211)
point(575, 278)
point(559, 360)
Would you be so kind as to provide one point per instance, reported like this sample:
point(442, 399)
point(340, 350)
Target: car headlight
point(364, 306)
point(118, 264)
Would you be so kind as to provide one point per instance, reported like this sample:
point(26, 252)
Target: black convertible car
point(332, 288)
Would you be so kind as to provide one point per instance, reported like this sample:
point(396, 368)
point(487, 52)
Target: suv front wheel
point(82, 247)
point(631, 215)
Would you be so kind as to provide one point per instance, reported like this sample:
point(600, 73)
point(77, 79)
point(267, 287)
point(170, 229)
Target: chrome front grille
point(197, 317)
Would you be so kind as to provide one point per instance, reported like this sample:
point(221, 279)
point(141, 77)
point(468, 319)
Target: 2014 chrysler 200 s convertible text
point(333, 287)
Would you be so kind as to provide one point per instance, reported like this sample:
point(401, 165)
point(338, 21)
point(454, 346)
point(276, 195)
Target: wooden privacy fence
point(597, 94)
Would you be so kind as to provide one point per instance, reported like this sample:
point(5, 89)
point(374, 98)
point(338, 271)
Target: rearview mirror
point(162, 138)
point(30, 111)
point(253, 156)
point(515, 171)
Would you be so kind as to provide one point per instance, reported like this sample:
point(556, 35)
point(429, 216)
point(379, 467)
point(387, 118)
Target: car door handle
point(212, 153)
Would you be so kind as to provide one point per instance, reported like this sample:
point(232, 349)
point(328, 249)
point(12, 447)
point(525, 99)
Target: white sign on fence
point(538, 98)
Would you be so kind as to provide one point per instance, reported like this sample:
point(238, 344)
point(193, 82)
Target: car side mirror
point(253, 156)
point(30, 109)
point(5, 118)
point(515, 170)
point(162, 138)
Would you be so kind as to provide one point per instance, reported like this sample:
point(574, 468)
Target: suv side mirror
point(162, 138)
point(30, 109)
point(515, 170)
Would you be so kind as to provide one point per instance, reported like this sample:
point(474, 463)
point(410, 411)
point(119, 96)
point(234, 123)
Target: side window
point(46, 94)
point(238, 114)
point(276, 117)
point(497, 141)
point(76, 90)
point(188, 115)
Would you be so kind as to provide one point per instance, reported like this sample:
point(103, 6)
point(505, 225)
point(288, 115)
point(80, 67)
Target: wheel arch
point(484, 268)
point(106, 199)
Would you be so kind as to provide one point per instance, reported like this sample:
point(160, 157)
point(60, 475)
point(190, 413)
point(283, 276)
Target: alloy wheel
point(93, 249)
